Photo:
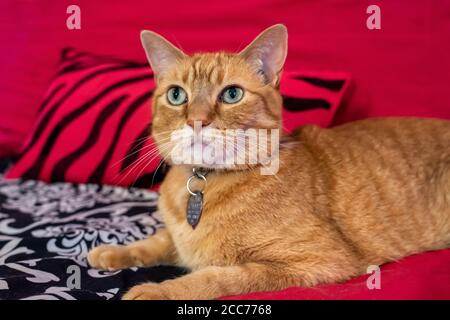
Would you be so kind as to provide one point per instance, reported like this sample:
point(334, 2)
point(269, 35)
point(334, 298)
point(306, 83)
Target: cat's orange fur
point(359, 194)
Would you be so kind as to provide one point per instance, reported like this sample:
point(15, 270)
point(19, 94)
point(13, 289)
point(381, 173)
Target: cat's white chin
point(207, 155)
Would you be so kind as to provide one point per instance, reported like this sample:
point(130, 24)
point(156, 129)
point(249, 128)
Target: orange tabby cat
point(359, 194)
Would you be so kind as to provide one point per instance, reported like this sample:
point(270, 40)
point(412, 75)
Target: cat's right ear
point(267, 53)
point(161, 54)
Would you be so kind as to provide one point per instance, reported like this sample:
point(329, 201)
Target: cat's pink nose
point(199, 120)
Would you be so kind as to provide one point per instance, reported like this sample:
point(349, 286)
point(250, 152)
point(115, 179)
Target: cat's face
point(212, 94)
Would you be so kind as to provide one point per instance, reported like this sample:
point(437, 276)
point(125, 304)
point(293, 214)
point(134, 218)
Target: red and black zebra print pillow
point(94, 123)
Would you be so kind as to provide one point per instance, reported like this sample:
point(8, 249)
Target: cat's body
point(363, 193)
point(359, 194)
point(381, 187)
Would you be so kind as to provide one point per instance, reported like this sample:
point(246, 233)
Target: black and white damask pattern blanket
point(46, 231)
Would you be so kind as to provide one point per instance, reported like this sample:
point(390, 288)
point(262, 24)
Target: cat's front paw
point(111, 258)
point(148, 291)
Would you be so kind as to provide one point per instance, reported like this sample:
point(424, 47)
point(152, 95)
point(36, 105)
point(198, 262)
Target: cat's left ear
point(161, 54)
point(267, 53)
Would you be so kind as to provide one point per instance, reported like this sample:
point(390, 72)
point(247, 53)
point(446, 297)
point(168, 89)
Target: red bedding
point(401, 69)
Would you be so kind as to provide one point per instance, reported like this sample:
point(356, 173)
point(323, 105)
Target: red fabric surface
point(401, 69)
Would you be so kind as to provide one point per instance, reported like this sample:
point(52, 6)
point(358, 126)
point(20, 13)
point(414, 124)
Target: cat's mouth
point(208, 154)
point(217, 149)
point(199, 146)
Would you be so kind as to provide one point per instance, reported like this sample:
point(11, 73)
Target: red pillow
point(94, 123)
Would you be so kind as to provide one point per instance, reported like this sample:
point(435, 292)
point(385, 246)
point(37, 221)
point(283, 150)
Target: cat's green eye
point(176, 96)
point(232, 94)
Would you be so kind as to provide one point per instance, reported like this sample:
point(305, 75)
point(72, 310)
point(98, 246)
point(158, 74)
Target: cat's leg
point(440, 208)
point(155, 250)
point(213, 282)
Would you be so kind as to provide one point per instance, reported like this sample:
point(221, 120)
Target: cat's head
point(213, 94)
